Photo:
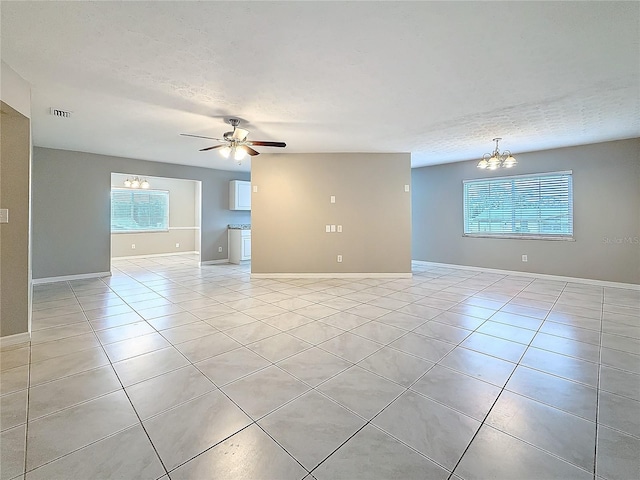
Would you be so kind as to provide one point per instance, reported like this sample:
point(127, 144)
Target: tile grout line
point(595, 447)
point(126, 394)
point(502, 389)
point(196, 288)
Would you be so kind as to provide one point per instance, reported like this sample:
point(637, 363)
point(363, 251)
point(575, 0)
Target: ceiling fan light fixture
point(225, 151)
point(239, 153)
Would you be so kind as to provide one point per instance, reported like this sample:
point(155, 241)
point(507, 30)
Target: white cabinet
point(239, 245)
point(239, 195)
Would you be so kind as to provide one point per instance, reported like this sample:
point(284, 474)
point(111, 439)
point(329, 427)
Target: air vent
point(56, 112)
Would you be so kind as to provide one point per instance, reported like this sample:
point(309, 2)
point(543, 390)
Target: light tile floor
point(168, 370)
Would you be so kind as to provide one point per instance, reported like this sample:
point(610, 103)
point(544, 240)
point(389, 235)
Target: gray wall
point(71, 208)
point(292, 207)
point(15, 151)
point(183, 220)
point(606, 184)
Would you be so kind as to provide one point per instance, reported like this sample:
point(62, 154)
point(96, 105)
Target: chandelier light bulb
point(510, 162)
point(495, 160)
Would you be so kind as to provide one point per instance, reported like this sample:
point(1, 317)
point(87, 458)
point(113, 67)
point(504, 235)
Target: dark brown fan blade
point(200, 136)
point(258, 143)
point(211, 148)
point(250, 150)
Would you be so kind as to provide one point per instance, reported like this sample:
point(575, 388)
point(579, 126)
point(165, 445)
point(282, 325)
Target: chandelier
point(495, 160)
point(136, 183)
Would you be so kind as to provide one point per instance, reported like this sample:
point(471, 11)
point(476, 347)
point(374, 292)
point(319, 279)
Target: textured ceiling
point(437, 79)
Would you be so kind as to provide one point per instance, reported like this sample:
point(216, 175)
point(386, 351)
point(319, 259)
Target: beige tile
point(57, 333)
point(149, 365)
point(13, 409)
point(13, 358)
point(12, 452)
point(127, 454)
point(133, 347)
point(63, 432)
point(14, 379)
point(62, 393)
point(263, 459)
point(183, 432)
point(177, 387)
point(66, 365)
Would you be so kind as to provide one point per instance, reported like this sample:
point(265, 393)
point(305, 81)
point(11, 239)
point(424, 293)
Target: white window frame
point(515, 235)
point(129, 190)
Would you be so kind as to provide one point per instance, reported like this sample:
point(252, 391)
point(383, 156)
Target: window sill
point(522, 237)
point(116, 232)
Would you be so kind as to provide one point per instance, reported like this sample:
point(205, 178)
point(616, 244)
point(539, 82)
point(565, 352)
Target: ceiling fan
point(235, 143)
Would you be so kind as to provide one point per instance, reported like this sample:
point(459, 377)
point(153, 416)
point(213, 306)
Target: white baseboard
point(155, 255)
point(66, 278)
point(15, 339)
point(587, 281)
point(214, 262)
point(331, 275)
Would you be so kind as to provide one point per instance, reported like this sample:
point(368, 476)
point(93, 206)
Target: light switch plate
point(4, 215)
point(339, 228)
point(333, 228)
point(406, 188)
point(327, 228)
point(333, 199)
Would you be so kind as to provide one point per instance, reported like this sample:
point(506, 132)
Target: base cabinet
point(239, 245)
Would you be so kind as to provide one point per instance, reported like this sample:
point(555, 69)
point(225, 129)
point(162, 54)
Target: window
point(139, 210)
point(522, 206)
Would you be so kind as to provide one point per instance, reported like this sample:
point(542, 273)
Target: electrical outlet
point(333, 199)
point(219, 249)
point(177, 245)
point(339, 258)
point(133, 246)
point(525, 258)
point(255, 189)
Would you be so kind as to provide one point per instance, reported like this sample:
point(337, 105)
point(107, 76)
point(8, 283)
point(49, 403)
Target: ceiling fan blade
point(239, 134)
point(200, 136)
point(250, 150)
point(211, 148)
point(259, 143)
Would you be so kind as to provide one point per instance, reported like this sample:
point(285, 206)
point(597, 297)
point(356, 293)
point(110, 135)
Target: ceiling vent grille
point(56, 112)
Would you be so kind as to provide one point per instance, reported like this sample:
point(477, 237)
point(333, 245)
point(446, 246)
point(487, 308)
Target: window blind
point(139, 210)
point(531, 206)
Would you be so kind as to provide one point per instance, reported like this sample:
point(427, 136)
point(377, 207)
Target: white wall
point(15, 90)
